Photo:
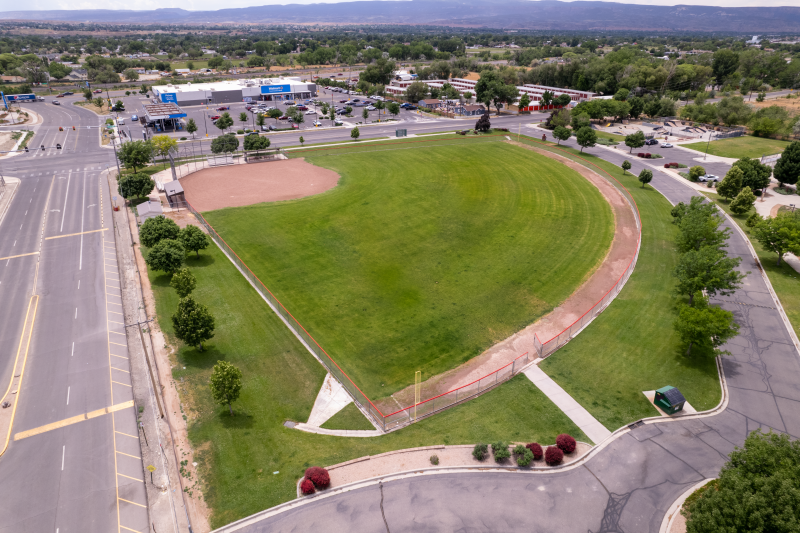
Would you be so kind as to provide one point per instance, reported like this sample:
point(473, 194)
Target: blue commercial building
point(230, 91)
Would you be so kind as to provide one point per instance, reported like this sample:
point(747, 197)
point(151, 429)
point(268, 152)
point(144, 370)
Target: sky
point(199, 5)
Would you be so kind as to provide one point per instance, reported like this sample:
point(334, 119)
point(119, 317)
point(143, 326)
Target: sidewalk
point(588, 424)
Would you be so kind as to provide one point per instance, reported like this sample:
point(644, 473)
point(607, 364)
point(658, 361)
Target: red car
point(97, 91)
point(59, 96)
point(215, 117)
point(223, 108)
point(284, 117)
point(302, 108)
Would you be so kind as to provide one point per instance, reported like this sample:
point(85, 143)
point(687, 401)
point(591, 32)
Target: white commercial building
point(229, 91)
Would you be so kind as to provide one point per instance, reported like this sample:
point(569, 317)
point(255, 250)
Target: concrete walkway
point(588, 424)
point(331, 399)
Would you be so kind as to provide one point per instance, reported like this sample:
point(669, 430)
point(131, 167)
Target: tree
point(224, 144)
point(134, 154)
point(87, 95)
point(193, 239)
point(695, 172)
point(98, 102)
point(255, 142)
point(274, 113)
point(332, 115)
point(586, 138)
point(299, 118)
point(558, 117)
point(365, 114)
point(707, 269)
point(162, 144)
point(756, 174)
point(224, 121)
point(622, 94)
point(166, 255)
point(698, 224)
point(547, 98)
point(524, 101)
point(634, 140)
point(733, 110)
point(561, 133)
point(416, 91)
point(626, 165)
point(59, 71)
point(34, 72)
point(135, 185)
point(757, 489)
point(157, 229)
point(226, 384)
point(183, 282)
point(580, 120)
point(354, 133)
point(301, 140)
point(724, 64)
point(191, 127)
point(787, 168)
point(645, 176)
point(562, 100)
point(193, 323)
point(743, 202)
point(780, 234)
point(393, 108)
point(705, 326)
point(131, 74)
point(483, 123)
point(243, 118)
point(260, 120)
point(731, 184)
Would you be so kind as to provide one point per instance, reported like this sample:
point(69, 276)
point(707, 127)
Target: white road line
point(65, 202)
point(79, 284)
point(63, 453)
point(73, 347)
point(67, 395)
point(83, 212)
point(76, 312)
point(26, 211)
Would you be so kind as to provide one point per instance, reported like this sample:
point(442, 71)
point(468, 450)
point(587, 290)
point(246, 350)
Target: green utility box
point(401, 133)
point(669, 399)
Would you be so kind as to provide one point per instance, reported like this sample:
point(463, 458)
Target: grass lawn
point(426, 253)
point(631, 347)
point(609, 136)
point(348, 418)
point(237, 455)
point(738, 147)
point(785, 280)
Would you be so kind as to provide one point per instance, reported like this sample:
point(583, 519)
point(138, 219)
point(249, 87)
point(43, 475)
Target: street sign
point(151, 468)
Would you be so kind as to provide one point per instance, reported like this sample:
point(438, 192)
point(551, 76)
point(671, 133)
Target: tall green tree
point(731, 184)
point(704, 326)
point(135, 154)
point(561, 133)
point(416, 91)
point(243, 118)
point(707, 269)
point(780, 234)
point(135, 185)
point(758, 489)
point(695, 172)
point(166, 255)
point(191, 127)
point(354, 133)
point(580, 120)
point(699, 225)
point(193, 323)
point(645, 176)
point(756, 174)
point(224, 121)
point(225, 384)
point(634, 140)
point(224, 144)
point(586, 138)
point(275, 113)
point(183, 281)
point(193, 239)
point(743, 202)
point(787, 168)
point(626, 165)
point(524, 101)
point(724, 64)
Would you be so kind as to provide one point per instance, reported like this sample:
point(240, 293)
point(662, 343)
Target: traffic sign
point(151, 468)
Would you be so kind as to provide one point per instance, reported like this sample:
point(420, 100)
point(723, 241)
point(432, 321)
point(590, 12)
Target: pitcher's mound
point(239, 185)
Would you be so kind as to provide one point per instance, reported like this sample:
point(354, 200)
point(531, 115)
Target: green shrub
point(434, 459)
point(500, 451)
point(479, 451)
point(240, 132)
point(523, 455)
point(183, 138)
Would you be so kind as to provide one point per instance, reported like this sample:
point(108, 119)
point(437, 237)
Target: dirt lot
point(792, 105)
point(240, 185)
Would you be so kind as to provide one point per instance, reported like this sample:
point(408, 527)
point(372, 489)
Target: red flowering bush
point(318, 476)
point(307, 487)
point(566, 443)
point(535, 449)
point(553, 455)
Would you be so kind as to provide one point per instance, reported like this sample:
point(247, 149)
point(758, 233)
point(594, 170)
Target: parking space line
point(129, 477)
point(128, 501)
point(118, 383)
point(131, 436)
point(120, 356)
point(129, 455)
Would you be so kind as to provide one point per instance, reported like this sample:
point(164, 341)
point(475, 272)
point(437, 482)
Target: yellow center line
point(72, 420)
point(134, 503)
point(129, 455)
point(129, 477)
point(15, 256)
point(74, 234)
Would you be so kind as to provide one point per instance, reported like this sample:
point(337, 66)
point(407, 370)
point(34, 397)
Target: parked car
point(248, 107)
point(97, 91)
point(302, 107)
point(666, 145)
point(248, 134)
point(371, 108)
point(284, 117)
point(411, 107)
point(337, 122)
point(62, 95)
point(317, 124)
point(311, 112)
point(708, 177)
point(650, 142)
point(223, 108)
point(56, 102)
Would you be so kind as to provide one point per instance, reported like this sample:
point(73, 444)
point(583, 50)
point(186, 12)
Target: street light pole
point(707, 145)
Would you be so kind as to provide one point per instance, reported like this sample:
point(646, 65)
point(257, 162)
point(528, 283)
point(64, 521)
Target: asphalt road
point(69, 477)
point(631, 482)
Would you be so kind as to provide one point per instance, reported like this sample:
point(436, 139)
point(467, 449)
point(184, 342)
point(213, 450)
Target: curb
point(666, 524)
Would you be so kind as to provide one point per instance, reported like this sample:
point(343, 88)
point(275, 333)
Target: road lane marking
point(74, 234)
point(118, 383)
point(83, 212)
point(63, 453)
point(64, 212)
point(129, 455)
point(121, 433)
point(72, 420)
point(73, 349)
point(117, 333)
point(120, 356)
point(67, 395)
point(121, 370)
point(118, 344)
point(123, 527)
point(134, 503)
point(129, 477)
point(15, 256)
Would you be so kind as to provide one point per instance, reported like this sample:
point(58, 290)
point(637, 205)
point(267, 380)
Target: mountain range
point(507, 14)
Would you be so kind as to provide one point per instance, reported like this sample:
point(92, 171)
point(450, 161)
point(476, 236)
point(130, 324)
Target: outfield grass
point(738, 147)
point(631, 347)
point(426, 254)
point(238, 455)
point(784, 278)
point(348, 418)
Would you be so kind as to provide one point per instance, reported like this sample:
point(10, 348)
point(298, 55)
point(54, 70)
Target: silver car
point(708, 177)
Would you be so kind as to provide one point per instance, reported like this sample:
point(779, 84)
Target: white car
point(708, 177)
point(310, 112)
point(666, 145)
point(371, 108)
point(338, 122)
point(121, 122)
point(317, 124)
